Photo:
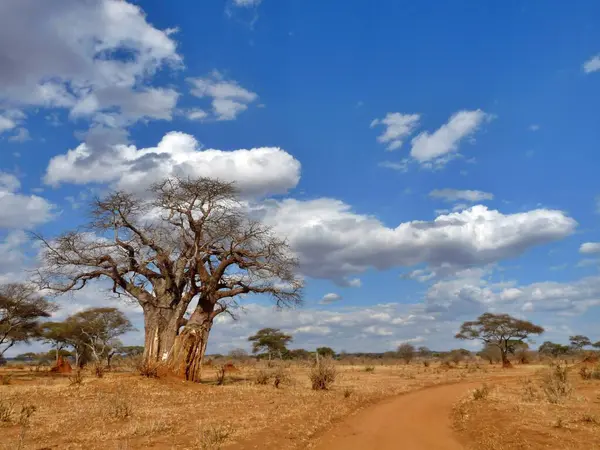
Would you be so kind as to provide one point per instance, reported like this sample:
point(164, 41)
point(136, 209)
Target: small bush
point(585, 373)
point(99, 370)
point(591, 419)
point(426, 363)
point(369, 369)
point(7, 410)
point(213, 437)
point(148, 369)
point(530, 392)
point(76, 379)
point(5, 380)
point(262, 377)
point(323, 374)
point(481, 393)
point(555, 384)
point(280, 376)
point(221, 375)
point(347, 392)
point(120, 409)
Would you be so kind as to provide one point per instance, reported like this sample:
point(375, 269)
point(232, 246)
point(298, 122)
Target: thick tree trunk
point(187, 355)
point(160, 329)
point(505, 361)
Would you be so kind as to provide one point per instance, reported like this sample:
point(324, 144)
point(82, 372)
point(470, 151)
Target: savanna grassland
point(555, 406)
point(123, 410)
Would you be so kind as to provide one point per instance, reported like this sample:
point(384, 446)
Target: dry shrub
point(555, 384)
point(24, 423)
point(323, 374)
point(7, 409)
point(585, 373)
point(481, 393)
point(120, 409)
point(148, 369)
point(426, 363)
point(76, 379)
point(347, 392)
point(280, 376)
point(221, 374)
point(212, 437)
point(369, 369)
point(5, 380)
point(262, 377)
point(99, 370)
point(530, 392)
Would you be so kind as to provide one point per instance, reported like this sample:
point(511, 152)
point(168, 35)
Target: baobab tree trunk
point(187, 355)
point(160, 330)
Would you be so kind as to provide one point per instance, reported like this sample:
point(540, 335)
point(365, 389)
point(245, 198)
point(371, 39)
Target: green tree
point(271, 340)
point(579, 341)
point(57, 334)
point(99, 329)
point(21, 308)
point(490, 353)
point(500, 330)
point(551, 349)
point(326, 352)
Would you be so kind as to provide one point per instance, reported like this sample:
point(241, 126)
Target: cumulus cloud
point(228, 98)
point(442, 145)
point(330, 298)
point(397, 127)
point(589, 248)
point(592, 64)
point(87, 56)
point(333, 242)
point(21, 211)
point(258, 171)
point(453, 195)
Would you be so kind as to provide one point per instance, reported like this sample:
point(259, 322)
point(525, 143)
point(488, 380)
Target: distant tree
point(3, 361)
point(424, 352)
point(21, 308)
point(406, 352)
point(596, 344)
point(551, 349)
point(270, 340)
point(459, 354)
point(57, 334)
point(579, 341)
point(500, 330)
point(326, 352)
point(99, 329)
point(491, 353)
point(299, 354)
point(131, 350)
point(26, 357)
point(238, 353)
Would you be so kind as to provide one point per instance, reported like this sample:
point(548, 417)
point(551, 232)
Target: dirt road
point(418, 420)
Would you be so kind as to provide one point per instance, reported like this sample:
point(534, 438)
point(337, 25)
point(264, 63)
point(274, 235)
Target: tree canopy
point(21, 308)
point(406, 352)
point(578, 342)
point(270, 340)
point(501, 330)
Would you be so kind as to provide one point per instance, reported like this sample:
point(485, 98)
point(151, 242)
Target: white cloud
point(197, 114)
point(592, 64)
point(452, 195)
point(397, 127)
point(588, 248)
point(20, 211)
point(333, 242)
point(6, 123)
point(330, 298)
point(22, 135)
point(534, 127)
point(87, 56)
point(441, 146)
point(247, 3)
point(258, 171)
point(228, 98)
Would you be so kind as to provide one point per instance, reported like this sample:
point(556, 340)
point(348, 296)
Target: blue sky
point(427, 160)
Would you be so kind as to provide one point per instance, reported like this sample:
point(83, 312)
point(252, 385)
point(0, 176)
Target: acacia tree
point(21, 308)
point(500, 330)
point(186, 245)
point(57, 334)
point(579, 341)
point(100, 329)
point(326, 352)
point(271, 340)
point(551, 349)
point(406, 352)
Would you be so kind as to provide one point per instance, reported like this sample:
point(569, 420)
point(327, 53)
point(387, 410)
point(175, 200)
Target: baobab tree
point(500, 330)
point(186, 245)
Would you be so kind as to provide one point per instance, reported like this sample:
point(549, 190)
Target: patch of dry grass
point(123, 410)
point(553, 408)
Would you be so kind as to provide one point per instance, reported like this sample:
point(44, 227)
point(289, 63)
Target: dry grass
point(553, 408)
point(123, 410)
